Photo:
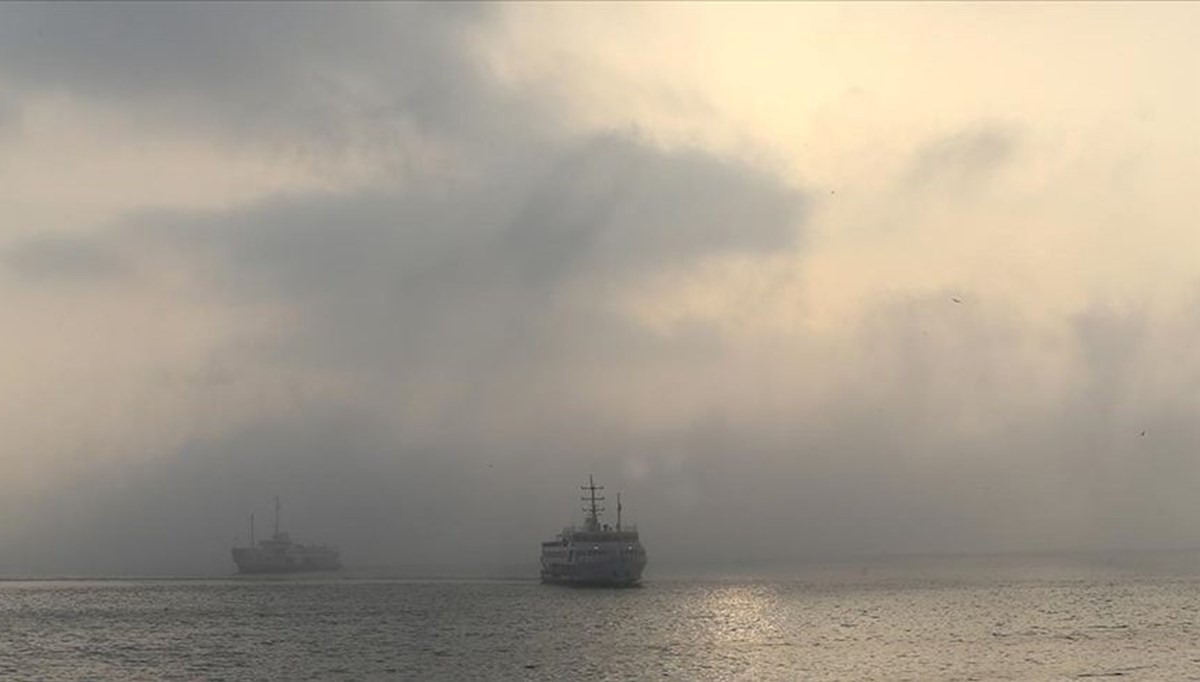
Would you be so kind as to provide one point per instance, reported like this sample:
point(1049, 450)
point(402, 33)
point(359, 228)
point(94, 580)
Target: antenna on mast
point(618, 512)
point(251, 529)
point(276, 516)
point(592, 510)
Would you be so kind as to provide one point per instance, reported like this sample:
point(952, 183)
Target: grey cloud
point(638, 207)
point(425, 272)
point(10, 113)
point(508, 259)
point(257, 70)
point(65, 257)
point(964, 159)
point(485, 294)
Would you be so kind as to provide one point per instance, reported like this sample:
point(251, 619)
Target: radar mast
point(592, 522)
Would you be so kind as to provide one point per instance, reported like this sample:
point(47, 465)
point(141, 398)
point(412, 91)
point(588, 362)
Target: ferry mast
point(592, 522)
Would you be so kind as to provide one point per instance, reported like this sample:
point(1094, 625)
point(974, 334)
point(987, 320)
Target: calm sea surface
point(965, 619)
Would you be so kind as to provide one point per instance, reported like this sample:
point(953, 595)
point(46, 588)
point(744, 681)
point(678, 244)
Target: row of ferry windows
point(630, 551)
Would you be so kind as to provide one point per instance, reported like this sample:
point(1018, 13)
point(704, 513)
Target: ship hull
point(612, 570)
point(254, 561)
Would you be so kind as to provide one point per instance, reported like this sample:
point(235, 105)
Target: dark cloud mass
point(468, 315)
point(50, 258)
point(963, 159)
point(310, 72)
point(486, 300)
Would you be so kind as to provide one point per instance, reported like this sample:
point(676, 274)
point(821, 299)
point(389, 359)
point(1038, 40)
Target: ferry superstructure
point(597, 554)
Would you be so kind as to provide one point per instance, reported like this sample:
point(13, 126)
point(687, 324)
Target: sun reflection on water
point(736, 615)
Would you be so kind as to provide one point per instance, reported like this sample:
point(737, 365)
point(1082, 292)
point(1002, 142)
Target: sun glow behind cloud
point(887, 114)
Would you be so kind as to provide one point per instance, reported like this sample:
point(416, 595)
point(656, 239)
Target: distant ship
point(596, 554)
point(281, 555)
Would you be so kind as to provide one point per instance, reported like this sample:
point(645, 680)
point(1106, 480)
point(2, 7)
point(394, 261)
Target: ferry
point(596, 554)
point(280, 554)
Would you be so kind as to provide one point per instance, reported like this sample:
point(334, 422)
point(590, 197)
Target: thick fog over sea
point(802, 282)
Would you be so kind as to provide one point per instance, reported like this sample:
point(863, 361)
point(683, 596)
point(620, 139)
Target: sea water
point(1032, 618)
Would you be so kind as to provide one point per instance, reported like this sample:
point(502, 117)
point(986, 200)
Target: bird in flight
point(956, 299)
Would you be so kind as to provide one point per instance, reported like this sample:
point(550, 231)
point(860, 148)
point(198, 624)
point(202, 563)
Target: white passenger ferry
point(597, 554)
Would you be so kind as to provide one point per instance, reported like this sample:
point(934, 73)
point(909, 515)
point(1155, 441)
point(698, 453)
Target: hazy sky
point(801, 280)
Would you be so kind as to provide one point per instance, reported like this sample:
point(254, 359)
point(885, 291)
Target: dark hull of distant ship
point(254, 561)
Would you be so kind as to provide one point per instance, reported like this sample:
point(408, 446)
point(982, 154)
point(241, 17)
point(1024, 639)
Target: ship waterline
point(597, 554)
point(280, 554)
